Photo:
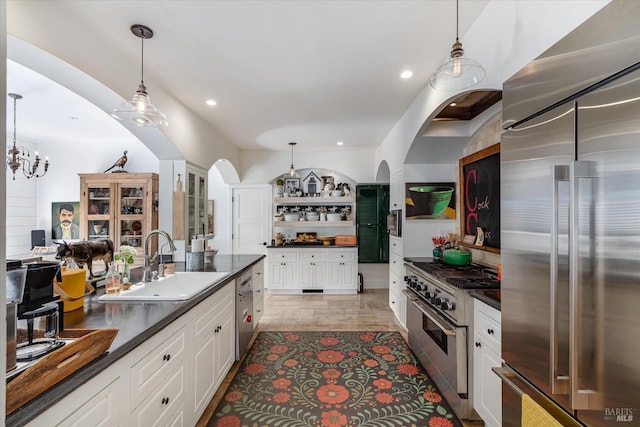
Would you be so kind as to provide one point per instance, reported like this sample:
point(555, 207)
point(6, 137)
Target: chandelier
point(20, 157)
point(140, 110)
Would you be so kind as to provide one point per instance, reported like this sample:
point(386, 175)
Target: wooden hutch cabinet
point(120, 206)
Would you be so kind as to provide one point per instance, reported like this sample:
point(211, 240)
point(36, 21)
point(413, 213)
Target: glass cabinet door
point(191, 210)
point(196, 205)
point(99, 210)
point(201, 206)
point(131, 201)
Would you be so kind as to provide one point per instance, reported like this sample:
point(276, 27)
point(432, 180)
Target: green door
point(372, 201)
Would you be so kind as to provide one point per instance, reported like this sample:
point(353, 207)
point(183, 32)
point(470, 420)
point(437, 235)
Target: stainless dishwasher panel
point(244, 312)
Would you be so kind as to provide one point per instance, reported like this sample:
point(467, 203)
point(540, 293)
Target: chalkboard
point(480, 202)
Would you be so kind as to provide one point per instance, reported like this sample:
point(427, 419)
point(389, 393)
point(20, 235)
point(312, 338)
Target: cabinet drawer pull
point(490, 331)
point(478, 344)
point(166, 357)
point(165, 400)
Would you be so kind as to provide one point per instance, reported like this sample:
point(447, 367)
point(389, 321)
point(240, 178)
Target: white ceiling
point(311, 71)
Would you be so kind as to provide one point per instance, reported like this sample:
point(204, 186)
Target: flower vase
point(437, 253)
point(125, 273)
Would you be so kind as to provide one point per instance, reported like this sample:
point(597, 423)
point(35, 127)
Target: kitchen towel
point(534, 415)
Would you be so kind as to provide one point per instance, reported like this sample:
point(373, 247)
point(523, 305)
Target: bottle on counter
point(112, 281)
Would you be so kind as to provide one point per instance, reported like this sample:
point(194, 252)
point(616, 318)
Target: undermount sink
point(176, 287)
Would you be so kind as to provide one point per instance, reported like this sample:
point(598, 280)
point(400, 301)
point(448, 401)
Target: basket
point(73, 288)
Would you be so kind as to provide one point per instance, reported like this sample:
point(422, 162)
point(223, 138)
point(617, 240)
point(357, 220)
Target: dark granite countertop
point(136, 322)
point(490, 297)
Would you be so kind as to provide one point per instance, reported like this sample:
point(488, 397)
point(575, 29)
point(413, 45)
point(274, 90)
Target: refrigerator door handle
point(520, 386)
point(559, 383)
point(583, 399)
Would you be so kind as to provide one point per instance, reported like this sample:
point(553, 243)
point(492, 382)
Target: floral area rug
point(332, 379)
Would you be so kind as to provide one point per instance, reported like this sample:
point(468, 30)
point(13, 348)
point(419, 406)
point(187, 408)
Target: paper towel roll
point(197, 245)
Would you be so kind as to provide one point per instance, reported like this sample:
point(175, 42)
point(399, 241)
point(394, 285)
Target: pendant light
point(19, 157)
point(292, 170)
point(140, 110)
point(458, 72)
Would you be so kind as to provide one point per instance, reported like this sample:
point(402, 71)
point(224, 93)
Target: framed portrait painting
point(65, 220)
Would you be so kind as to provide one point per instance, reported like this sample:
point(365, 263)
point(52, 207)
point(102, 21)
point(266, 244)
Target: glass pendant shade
point(292, 170)
point(140, 110)
point(458, 72)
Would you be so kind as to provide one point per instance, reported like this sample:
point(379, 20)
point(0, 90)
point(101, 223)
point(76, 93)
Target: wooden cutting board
point(58, 365)
point(178, 211)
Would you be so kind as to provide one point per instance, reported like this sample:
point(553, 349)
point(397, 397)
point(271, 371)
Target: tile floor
point(314, 312)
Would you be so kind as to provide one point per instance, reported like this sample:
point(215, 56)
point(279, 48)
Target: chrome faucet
point(146, 264)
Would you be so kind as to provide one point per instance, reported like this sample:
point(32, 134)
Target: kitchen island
point(122, 386)
point(312, 268)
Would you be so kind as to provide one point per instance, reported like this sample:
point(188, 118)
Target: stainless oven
point(441, 347)
point(394, 222)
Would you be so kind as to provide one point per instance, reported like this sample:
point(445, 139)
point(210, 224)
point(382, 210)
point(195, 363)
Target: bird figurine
point(119, 163)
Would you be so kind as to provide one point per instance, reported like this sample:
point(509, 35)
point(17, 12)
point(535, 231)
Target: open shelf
point(314, 200)
point(312, 224)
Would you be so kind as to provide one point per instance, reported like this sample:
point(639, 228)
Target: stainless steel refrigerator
point(570, 218)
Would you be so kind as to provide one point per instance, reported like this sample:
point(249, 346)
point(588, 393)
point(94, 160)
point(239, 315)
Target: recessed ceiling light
point(339, 143)
point(406, 74)
point(211, 102)
point(453, 104)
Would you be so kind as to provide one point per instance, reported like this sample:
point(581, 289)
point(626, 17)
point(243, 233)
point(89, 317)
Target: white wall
point(260, 166)
point(504, 38)
point(220, 193)
point(3, 115)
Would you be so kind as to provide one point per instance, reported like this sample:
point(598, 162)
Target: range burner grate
point(478, 278)
point(474, 284)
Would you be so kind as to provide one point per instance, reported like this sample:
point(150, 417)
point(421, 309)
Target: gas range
point(443, 286)
point(440, 324)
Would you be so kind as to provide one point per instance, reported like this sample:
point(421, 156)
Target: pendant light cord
point(142, 56)
point(457, 19)
point(14, 122)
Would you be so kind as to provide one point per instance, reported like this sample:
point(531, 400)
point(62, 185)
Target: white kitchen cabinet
point(152, 369)
point(487, 387)
point(341, 269)
point(257, 281)
point(168, 380)
point(311, 269)
point(195, 201)
point(396, 189)
point(162, 405)
point(283, 268)
point(214, 345)
point(331, 270)
point(99, 410)
point(397, 301)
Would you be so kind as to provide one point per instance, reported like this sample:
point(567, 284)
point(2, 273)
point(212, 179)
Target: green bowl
point(456, 257)
point(430, 200)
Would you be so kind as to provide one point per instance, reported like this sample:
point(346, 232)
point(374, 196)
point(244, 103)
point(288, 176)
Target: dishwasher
point(244, 312)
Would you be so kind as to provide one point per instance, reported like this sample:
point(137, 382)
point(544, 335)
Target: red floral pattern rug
point(332, 379)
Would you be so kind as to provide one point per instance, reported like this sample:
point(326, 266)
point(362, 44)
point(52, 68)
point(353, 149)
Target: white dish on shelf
point(291, 217)
point(334, 217)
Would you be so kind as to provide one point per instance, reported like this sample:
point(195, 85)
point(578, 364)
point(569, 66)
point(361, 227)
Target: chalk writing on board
point(480, 183)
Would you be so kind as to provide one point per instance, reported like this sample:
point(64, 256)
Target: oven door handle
point(445, 326)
